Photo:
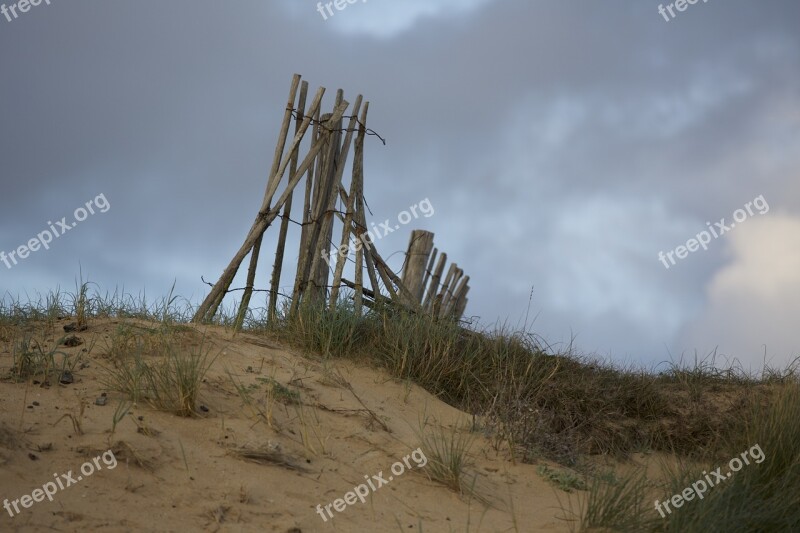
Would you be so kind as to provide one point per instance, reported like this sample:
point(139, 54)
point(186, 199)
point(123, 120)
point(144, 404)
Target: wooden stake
point(428, 273)
point(329, 192)
point(419, 251)
point(448, 295)
point(307, 214)
point(347, 230)
point(434, 286)
point(458, 295)
point(287, 211)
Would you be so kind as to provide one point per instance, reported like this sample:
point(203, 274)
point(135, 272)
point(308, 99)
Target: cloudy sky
point(562, 143)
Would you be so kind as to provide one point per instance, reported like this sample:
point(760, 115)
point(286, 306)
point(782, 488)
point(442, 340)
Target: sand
point(327, 427)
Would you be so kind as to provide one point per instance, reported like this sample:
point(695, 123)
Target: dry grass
point(164, 367)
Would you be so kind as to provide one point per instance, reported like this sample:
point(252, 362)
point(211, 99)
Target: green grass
point(758, 497)
point(565, 480)
point(618, 505)
point(447, 452)
point(32, 360)
point(158, 368)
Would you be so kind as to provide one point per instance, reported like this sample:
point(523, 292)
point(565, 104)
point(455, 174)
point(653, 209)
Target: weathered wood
point(436, 305)
point(389, 278)
point(358, 181)
point(460, 308)
point(244, 304)
point(275, 179)
point(428, 273)
point(458, 294)
point(327, 194)
point(317, 286)
point(347, 229)
point(308, 161)
point(313, 176)
point(440, 297)
point(287, 212)
point(308, 253)
point(368, 293)
point(434, 284)
point(281, 144)
point(361, 223)
point(419, 251)
point(451, 287)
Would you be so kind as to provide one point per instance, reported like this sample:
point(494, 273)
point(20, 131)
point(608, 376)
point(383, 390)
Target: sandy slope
point(315, 452)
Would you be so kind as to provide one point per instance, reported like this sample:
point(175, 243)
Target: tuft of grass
point(32, 359)
point(312, 435)
point(119, 413)
point(280, 392)
point(447, 452)
point(619, 504)
point(335, 332)
point(563, 479)
point(81, 306)
point(264, 409)
point(169, 380)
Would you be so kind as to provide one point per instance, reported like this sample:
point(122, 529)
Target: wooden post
point(439, 301)
point(308, 255)
point(287, 211)
point(328, 190)
point(318, 284)
point(419, 251)
point(448, 295)
point(347, 230)
point(248, 286)
point(428, 272)
point(434, 285)
point(361, 222)
point(459, 294)
point(339, 166)
point(299, 282)
point(460, 308)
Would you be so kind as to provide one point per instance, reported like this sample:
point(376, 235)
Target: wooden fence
point(328, 147)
